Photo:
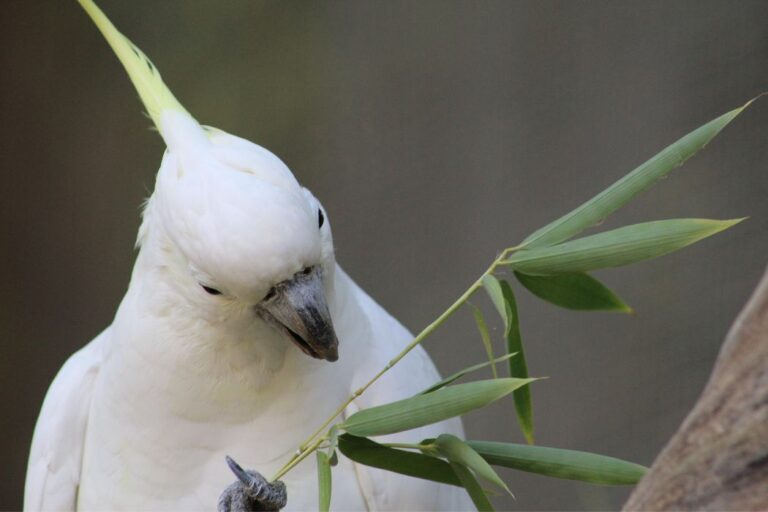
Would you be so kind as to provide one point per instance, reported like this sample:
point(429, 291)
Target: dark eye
point(212, 291)
point(306, 271)
point(270, 294)
point(320, 218)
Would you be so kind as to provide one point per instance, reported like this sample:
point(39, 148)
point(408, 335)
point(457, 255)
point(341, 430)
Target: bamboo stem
point(311, 444)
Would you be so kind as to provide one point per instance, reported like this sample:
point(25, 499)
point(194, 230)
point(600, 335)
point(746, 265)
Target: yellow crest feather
point(154, 94)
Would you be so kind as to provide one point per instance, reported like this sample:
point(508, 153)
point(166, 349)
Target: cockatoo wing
point(381, 339)
point(53, 471)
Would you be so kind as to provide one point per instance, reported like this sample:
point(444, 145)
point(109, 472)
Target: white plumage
point(142, 417)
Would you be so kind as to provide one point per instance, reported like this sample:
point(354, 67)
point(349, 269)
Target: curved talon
point(240, 473)
point(252, 492)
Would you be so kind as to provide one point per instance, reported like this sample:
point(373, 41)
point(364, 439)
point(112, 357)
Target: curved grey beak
point(298, 307)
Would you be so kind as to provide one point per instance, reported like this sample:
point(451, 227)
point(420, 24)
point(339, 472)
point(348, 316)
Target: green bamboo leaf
point(621, 192)
point(473, 488)
point(426, 409)
point(518, 367)
point(333, 437)
point(504, 299)
point(461, 373)
point(493, 289)
point(618, 247)
point(485, 337)
point(370, 453)
point(459, 452)
point(578, 291)
point(324, 480)
point(333, 443)
point(560, 463)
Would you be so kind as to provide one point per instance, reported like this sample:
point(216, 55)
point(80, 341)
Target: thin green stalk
point(297, 458)
point(310, 444)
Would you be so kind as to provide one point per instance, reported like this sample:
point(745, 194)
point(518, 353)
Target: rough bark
point(718, 459)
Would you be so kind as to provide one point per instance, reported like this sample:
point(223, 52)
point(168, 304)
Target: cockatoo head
point(242, 236)
point(228, 223)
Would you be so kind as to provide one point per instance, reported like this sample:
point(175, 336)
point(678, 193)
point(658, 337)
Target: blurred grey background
point(435, 133)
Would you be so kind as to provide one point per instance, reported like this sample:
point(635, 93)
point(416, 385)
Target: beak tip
point(332, 354)
point(300, 310)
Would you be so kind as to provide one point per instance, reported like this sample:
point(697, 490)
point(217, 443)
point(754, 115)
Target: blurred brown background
point(435, 133)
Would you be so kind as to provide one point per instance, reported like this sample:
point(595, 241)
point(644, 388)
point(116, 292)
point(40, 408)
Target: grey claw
point(240, 473)
point(252, 492)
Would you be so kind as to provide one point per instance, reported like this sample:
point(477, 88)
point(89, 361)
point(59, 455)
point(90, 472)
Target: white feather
point(142, 417)
point(53, 472)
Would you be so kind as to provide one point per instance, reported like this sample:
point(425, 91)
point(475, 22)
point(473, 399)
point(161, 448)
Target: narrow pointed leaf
point(456, 376)
point(493, 289)
point(618, 247)
point(456, 450)
point(577, 291)
point(518, 367)
point(473, 488)
point(426, 409)
point(485, 337)
point(504, 299)
point(370, 453)
point(560, 463)
point(621, 192)
point(324, 480)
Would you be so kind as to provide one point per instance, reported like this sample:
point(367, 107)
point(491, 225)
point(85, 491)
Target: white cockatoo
point(224, 343)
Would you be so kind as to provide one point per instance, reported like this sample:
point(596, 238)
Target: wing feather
point(53, 471)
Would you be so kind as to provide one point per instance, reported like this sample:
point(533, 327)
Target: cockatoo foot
point(251, 493)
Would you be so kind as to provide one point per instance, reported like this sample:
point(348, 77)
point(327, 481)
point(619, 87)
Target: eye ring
point(210, 291)
point(320, 218)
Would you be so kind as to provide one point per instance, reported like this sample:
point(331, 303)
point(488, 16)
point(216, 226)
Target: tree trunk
point(718, 459)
